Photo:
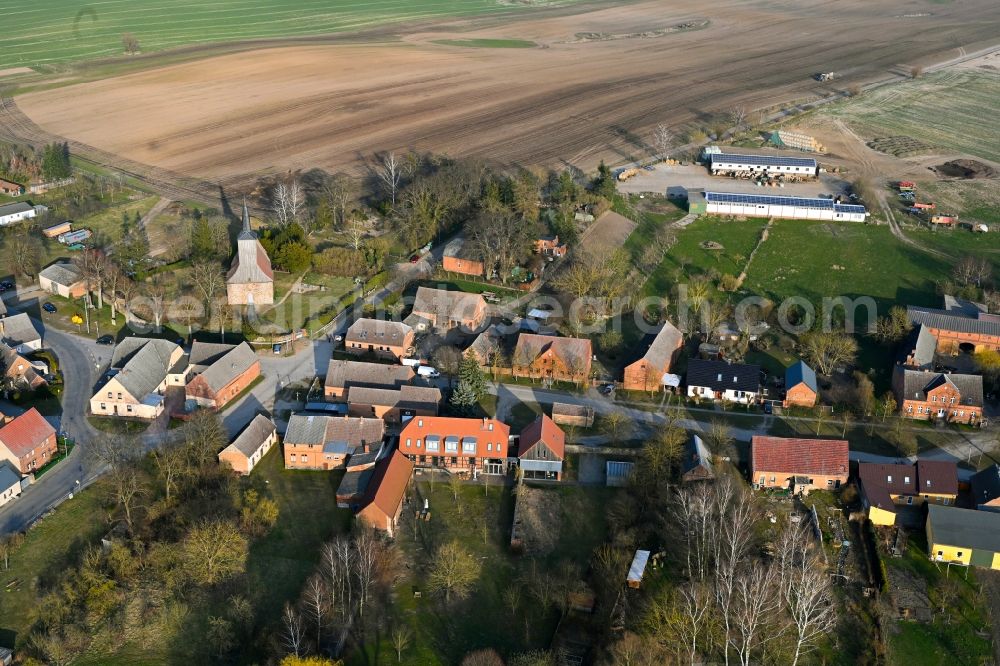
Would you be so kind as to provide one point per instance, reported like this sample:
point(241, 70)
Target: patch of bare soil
point(900, 146)
point(646, 34)
point(231, 117)
point(964, 168)
point(539, 518)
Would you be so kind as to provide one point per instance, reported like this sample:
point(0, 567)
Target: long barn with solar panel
point(701, 202)
point(730, 163)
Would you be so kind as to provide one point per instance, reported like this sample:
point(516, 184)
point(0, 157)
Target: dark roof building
point(723, 376)
point(696, 465)
point(986, 489)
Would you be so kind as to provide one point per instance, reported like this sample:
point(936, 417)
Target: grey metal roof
point(65, 274)
point(11, 208)
point(8, 477)
point(19, 329)
point(145, 370)
point(925, 348)
point(948, 321)
point(916, 384)
point(253, 435)
point(306, 429)
point(125, 349)
point(762, 160)
point(229, 366)
point(205, 353)
point(963, 306)
point(964, 528)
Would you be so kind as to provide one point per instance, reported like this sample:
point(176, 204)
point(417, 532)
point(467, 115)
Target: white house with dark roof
point(719, 380)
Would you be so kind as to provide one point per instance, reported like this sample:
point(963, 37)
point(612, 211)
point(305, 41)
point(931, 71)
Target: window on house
point(119, 396)
point(103, 406)
point(407, 442)
point(772, 478)
point(128, 408)
point(906, 479)
point(888, 478)
point(960, 553)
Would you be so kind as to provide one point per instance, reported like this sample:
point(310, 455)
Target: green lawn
point(48, 547)
point(814, 260)
point(488, 43)
point(52, 31)
point(956, 110)
point(108, 222)
point(951, 638)
point(688, 258)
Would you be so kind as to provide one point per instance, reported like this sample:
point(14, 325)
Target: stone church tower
point(250, 280)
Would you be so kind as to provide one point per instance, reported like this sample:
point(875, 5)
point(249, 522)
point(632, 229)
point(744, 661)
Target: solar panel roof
point(771, 200)
point(764, 160)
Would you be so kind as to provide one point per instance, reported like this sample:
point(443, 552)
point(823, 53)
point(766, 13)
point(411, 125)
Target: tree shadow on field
point(633, 139)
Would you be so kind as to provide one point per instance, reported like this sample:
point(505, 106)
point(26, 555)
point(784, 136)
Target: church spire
point(247, 232)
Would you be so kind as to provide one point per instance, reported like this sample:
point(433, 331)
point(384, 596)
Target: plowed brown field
point(568, 101)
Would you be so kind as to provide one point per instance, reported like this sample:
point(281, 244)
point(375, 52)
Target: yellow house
point(886, 486)
point(963, 536)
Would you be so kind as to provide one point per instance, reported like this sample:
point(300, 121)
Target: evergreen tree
point(202, 239)
point(604, 184)
point(463, 399)
point(471, 375)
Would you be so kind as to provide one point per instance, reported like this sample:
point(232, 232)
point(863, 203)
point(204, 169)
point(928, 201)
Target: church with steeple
point(250, 280)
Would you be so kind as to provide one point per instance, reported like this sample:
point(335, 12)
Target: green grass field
point(688, 257)
point(49, 32)
point(956, 110)
point(818, 259)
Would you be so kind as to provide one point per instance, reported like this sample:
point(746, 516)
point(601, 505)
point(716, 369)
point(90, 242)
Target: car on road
point(106, 340)
point(415, 258)
point(48, 307)
point(607, 389)
point(276, 349)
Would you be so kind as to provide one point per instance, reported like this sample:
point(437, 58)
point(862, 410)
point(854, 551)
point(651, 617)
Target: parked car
point(415, 258)
point(48, 307)
point(607, 389)
point(106, 340)
point(428, 372)
point(7, 284)
point(276, 349)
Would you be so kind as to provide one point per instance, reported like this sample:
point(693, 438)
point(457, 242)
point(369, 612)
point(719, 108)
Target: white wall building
point(724, 163)
point(754, 205)
point(16, 212)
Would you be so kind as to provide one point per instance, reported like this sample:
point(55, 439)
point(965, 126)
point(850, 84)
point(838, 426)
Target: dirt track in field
point(567, 102)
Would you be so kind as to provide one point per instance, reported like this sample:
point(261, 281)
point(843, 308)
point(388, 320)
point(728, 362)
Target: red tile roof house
point(549, 246)
point(325, 442)
point(542, 449)
point(342, 375)
point(28, 442)
point(474, 446)
point(383, 500)
point(378, 336)
point(220, 373)
point(548, 357)
point(646, 374)
point(250, 445)
point(798, 464)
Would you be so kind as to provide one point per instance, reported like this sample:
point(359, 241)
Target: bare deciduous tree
point(293, 631)
point(455, 571)
point(401, 638)
point(389, 170)
point(316, 600)
point(287, 201)
point(663, 140)
point(130, 43)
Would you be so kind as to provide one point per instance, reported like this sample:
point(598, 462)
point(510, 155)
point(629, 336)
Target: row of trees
point(23, 163)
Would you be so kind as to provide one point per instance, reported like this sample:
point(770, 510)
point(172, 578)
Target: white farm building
point(16, 212)
point(755, 205)
point(728, 163)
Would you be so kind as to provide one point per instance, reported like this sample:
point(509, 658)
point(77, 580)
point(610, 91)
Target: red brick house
point(252, 444)
point(458, 257)
point(393, 405)
point(798, 464)
point(380, 337)
point(548, 357)
point(325, 442)
point(28, 442)
point(443, 310)
point(541, 449)
point(460, 445)
point(549, 246)
point(801, 388)
point(383, 501)
point(646, 374)
point(960, 326)
point(220, 373)
point(927, 396)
